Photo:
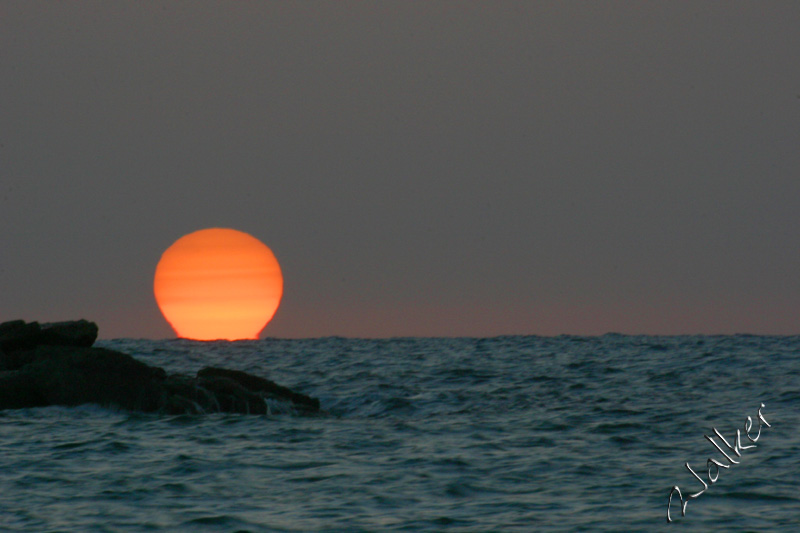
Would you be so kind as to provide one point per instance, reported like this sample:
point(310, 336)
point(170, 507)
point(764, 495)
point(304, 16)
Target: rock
point(18, 390)
point(66, 375)
point(18, 335)
point(73, 333)
point(16, 359)
point(55, 364)
point(232, 397)
point(18, 338)
point(264, 386)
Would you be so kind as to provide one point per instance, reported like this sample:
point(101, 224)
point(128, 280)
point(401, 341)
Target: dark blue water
point(499, 434)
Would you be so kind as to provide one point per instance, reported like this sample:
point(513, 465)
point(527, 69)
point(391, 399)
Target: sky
point(418, 168)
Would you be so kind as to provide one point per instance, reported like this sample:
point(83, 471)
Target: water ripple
point(498, 434)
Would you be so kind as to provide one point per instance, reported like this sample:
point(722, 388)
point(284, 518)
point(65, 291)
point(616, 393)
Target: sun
point(218, 283)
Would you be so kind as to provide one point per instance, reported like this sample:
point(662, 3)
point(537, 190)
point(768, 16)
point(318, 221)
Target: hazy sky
point(418, 168)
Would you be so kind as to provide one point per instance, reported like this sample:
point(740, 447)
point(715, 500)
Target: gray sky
point(418, 168)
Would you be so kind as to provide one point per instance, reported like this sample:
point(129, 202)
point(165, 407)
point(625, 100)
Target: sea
point(511, 433)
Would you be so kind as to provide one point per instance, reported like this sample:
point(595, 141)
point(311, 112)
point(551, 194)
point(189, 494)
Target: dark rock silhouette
point(56, 364)
point(74, 333)
point(17, 335)
point(259, 385)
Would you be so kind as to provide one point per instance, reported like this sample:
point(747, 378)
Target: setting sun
point(218, 284)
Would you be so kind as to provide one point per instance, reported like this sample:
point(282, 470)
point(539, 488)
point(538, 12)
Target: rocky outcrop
point(56, 364)
point(18, 335)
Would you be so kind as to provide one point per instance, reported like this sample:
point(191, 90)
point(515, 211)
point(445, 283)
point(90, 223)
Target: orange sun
point(218, 284)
